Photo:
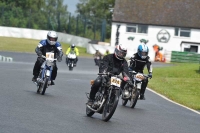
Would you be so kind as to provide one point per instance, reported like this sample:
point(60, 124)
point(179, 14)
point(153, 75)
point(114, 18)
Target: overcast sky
point(71, 5)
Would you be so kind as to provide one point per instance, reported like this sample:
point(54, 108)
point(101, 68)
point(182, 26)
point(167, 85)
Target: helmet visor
point(144, 53)
point(120, 53)
point(52, 39)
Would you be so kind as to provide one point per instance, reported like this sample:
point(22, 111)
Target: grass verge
point(179, 83)
point(29, 45)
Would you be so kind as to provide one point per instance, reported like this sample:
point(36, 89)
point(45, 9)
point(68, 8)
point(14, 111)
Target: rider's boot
point(34, 79)
point(52, 83)
point(142, 97)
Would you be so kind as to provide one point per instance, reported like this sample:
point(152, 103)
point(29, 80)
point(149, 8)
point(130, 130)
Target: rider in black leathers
point(48, 45)
point(112, 63)
point(138, 62)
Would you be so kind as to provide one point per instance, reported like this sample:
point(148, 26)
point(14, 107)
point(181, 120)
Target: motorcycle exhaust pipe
point(98, 108)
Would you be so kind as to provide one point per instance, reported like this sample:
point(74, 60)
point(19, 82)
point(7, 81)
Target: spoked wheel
point(39, 88)
point(134, 98)
point(89, 112)
point(44, 85)
point(124, 102)
point(110, 106)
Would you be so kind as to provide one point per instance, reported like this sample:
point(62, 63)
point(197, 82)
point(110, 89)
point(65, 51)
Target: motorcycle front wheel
point(71, 65)
point(124, 102)
point(89, 112)
point(110, 105)
point(134, 98)
point(44, 85)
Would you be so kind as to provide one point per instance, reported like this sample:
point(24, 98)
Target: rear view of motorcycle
point(44, 78)
point(107, 97)
point(131, 93)
point(71, 60)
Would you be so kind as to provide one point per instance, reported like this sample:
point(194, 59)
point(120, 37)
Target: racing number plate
point(50, 55)
point(115, 81)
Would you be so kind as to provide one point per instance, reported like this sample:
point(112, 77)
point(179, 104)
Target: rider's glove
point(39, 53)
point(130, 69)
point(150, 75)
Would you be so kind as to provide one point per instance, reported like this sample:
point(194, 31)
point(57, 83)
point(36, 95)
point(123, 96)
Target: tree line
point(92, 19)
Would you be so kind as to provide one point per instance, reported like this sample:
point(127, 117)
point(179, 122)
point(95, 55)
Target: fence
point(91, 27)
point(188, 57)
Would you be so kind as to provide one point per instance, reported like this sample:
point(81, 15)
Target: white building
point(171, 24)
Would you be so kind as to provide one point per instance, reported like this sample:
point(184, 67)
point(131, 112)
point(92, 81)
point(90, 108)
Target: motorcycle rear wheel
point(108, 111)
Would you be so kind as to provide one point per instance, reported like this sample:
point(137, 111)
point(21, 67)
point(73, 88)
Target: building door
point(193, 48)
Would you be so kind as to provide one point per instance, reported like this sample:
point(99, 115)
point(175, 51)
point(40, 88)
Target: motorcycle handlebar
point(45, 57)
point(110, 74)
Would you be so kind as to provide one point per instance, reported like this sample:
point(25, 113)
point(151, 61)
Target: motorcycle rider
point(48, 45)
point(138, 62)
point(107, 52)
point(112, 63)
point(99, 55)
point(72, 48)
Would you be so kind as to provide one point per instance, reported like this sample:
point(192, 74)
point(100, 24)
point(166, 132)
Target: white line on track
point(173, 101)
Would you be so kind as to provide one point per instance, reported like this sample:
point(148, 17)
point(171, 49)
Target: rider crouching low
point(112, 63)
point(138, 62)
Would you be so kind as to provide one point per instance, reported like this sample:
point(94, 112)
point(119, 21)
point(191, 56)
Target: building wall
point(174, 43)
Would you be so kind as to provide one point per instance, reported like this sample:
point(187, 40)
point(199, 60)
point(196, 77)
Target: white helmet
point(52, 37)
point(120, 52)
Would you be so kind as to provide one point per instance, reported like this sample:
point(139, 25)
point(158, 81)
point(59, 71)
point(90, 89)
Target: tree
point(96, 11)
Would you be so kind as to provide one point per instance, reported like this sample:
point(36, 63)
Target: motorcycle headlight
point(139, 77)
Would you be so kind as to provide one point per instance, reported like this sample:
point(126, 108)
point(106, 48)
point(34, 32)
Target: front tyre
point(44, 85)
point(124, 102)
point(89, 112)
point(110, 105)
point(134, 98)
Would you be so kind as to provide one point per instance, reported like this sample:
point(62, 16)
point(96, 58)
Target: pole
point(117, 35)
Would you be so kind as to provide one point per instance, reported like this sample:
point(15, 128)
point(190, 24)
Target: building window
point(182, 32)
point(191, 49)
point(137, 28)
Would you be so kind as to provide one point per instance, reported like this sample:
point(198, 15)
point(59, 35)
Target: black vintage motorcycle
point(107, 97)
point(132, 93)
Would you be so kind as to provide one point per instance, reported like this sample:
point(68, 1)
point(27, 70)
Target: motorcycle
point(71, 59)
point(44, 78)
point(132, 93)
point(107, 97)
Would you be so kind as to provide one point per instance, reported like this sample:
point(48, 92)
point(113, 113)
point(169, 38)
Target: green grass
point(180, 83)
point(29, 45)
